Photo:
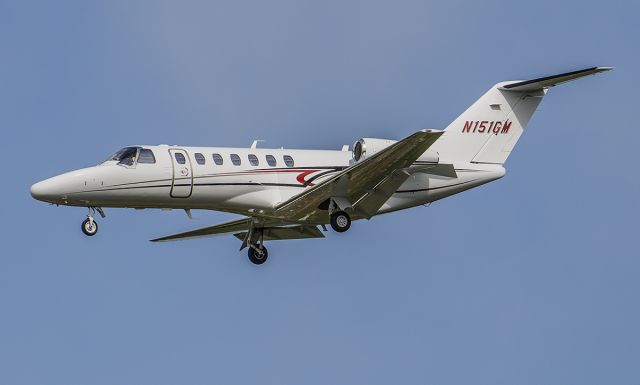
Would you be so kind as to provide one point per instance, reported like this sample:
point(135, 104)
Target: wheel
point(340, 221)
point(89, 228)
point(259, 256)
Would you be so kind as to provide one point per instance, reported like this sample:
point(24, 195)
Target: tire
point(340, 221)
point(87, 229)
point(258, 258)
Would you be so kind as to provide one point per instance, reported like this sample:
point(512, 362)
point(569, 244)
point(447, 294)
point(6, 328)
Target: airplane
point(293, 194)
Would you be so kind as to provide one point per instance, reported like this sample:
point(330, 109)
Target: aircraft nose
point(42, 190)
point(50, 190)
point(59, 189)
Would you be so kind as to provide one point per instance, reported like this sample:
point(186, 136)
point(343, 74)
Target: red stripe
point(303, 174)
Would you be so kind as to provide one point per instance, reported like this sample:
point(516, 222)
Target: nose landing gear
point(89, 225)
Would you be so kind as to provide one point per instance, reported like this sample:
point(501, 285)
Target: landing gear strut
point(258, 253)
point(340, 221)
point(90, 226)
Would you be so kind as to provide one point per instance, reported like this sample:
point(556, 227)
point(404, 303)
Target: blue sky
point(531, 279)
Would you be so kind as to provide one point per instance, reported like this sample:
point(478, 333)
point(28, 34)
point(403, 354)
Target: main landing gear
point(340, 221)
point(258, 254)
point(90, 226)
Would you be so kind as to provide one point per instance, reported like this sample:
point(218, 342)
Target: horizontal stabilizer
point(550, 81)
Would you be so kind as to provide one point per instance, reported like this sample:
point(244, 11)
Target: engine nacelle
point(366, 147)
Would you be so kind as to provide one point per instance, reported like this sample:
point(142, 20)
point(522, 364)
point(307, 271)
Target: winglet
point(550, 81)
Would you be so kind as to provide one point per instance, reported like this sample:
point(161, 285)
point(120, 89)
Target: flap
point(369, 204)
point(288, 232)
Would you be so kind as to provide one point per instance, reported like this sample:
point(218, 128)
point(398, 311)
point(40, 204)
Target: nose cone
point(56, 189)
point(63, 189)
point(46, 190)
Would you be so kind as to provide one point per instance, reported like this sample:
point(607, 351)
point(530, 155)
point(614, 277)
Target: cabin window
point(253, 160)
point(180, 158)
point(146, 156)
point(235, 159)
point(217, 159)
point(199, 158)
point(288, 161)
point(271, 160)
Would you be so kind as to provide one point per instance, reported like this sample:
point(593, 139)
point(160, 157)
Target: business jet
point(293, 194)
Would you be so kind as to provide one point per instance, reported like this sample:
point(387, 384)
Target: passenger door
point(182, 181)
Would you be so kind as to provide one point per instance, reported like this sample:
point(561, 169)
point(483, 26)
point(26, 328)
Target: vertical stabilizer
point(488, 131)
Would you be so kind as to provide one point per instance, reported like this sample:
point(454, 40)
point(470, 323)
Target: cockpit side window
point(126, 156)
point(146, 156)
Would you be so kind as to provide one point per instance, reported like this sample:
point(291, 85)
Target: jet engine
point(366, 147)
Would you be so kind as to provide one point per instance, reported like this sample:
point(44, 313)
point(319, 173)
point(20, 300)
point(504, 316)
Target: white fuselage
point(247, 189)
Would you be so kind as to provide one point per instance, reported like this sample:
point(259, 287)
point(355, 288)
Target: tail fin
point(488, 131)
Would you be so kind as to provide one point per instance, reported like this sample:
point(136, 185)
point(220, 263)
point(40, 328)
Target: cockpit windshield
point(126, 156)
point(132, 156)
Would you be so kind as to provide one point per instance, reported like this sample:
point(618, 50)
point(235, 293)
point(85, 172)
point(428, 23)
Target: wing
point(223, 228)
point(271, 231)
point(364, 186)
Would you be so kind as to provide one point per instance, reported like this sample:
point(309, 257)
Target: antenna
point(255, 143)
